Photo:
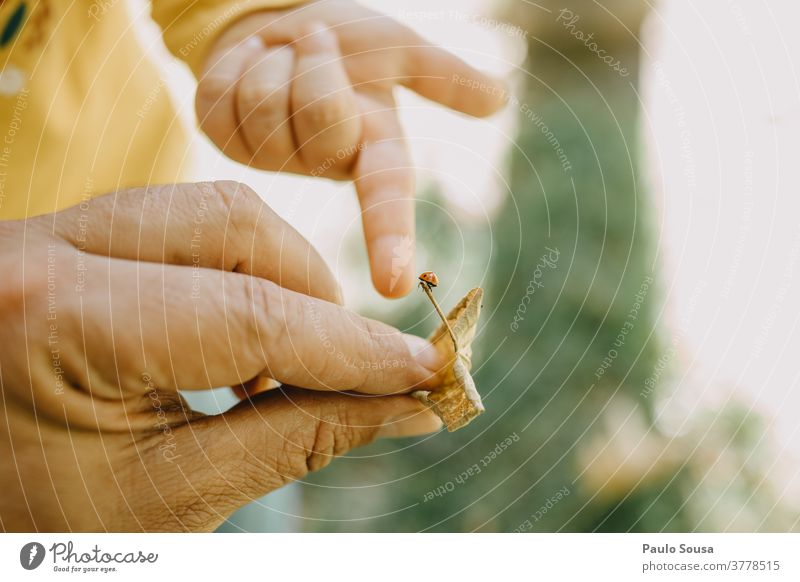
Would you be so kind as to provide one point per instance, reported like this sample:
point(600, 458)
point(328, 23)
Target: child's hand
point(309, 90)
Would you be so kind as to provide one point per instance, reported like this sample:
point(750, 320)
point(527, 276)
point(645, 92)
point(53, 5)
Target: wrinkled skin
point(108, 308)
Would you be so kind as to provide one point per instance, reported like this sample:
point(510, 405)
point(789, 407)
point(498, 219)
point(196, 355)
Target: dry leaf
point(456, 401)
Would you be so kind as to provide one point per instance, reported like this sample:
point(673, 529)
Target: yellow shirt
point(83, 111)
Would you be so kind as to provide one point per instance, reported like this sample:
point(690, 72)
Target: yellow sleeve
point(191, 26)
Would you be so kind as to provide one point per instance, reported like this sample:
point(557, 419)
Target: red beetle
point(430, 278)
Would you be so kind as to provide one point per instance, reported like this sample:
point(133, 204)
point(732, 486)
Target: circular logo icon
point(31, 555)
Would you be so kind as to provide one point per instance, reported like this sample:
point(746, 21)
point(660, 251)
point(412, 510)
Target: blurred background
point(633, 217)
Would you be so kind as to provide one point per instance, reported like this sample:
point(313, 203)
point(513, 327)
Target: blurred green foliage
point(538, 379)
point(572, 466)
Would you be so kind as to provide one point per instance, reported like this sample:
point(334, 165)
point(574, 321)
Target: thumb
point(220, 463)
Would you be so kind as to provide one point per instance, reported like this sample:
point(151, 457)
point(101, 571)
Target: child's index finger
point(384, 180)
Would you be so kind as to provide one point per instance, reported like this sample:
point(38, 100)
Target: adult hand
point(310, 90)
point(110, 307)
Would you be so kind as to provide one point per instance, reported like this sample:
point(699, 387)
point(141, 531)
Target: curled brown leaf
point(455, 399)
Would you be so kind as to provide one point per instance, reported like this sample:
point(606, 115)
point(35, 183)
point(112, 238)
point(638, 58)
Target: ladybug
point(429, 278)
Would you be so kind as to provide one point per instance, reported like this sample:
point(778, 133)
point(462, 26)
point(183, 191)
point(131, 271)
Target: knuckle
point(268, 130)
point(233, 194)
point(269, 135)
point(378, 347)
point(265, 323)
point(264, 97)
point(323, 446)
point(209, 105)
point(238, 213)
point(13, 293)
point(305, 451)
point(210, 89)
point(25, 284)
point(242, 206)
point(328, 110)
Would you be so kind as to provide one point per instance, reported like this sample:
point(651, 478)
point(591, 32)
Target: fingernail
point(423, 352)
point(409, 424)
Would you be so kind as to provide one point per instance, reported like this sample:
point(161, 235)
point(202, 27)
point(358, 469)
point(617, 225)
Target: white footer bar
point(401, 557)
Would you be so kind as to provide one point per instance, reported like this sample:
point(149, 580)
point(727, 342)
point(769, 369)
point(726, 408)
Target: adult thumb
point(219, 463)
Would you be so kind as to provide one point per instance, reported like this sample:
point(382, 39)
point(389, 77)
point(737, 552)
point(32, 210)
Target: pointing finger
point(384, 180)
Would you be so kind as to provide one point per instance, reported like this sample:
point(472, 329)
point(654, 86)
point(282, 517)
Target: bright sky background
point(722, 90)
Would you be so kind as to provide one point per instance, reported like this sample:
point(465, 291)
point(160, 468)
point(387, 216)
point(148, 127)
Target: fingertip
point(500, 101)
point(410, 424)
point(392, 265)
point(253, 387)
point(424, 353)
point(487, 97)
point(390, 287)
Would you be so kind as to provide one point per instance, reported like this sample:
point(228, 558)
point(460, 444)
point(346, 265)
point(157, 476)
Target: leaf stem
point(429, 292)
